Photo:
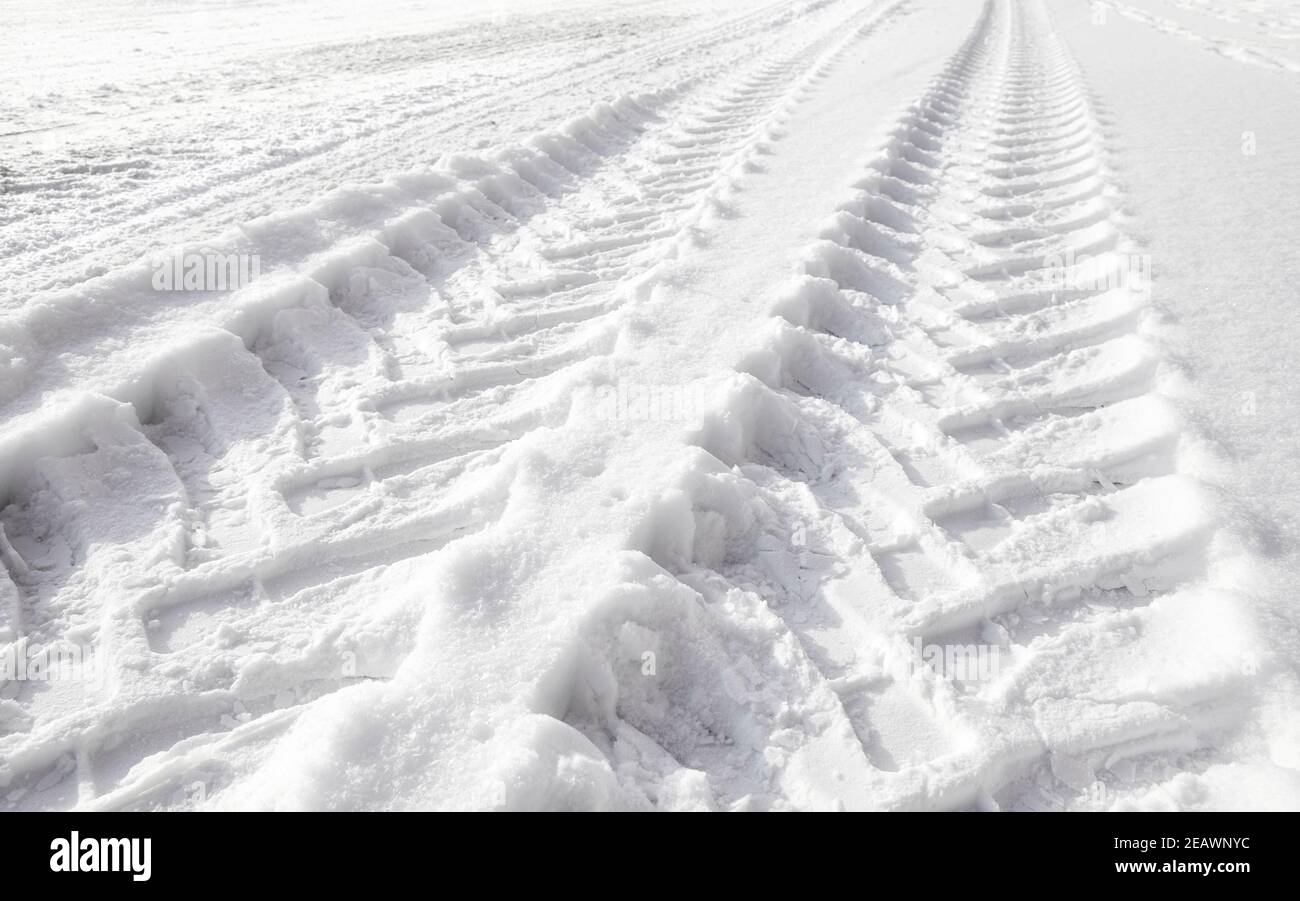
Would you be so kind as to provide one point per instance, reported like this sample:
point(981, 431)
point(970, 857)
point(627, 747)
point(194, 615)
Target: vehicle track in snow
point(949, 436)
point(303, 451)
point(966, 452)
point(192, 153)
point(1247, 44)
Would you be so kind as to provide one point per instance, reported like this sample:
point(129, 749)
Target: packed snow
point(814, 404)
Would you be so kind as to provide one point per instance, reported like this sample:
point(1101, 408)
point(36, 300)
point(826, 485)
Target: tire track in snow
point(951, 449)
point(966, 447)
point(1263, 17)
point(1235, 50)
point(706, 52)
point(300, 456)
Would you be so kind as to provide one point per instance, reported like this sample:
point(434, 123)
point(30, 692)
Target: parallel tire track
point(967, 450)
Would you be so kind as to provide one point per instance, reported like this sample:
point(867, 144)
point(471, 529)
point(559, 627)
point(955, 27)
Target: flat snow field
point(814, 404)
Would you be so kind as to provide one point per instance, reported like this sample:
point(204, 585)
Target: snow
point(860, 404)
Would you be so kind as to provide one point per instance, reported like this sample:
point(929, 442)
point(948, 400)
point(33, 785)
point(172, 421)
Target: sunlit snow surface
point(803, 405)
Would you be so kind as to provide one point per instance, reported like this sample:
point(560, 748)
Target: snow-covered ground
point(661, 405)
